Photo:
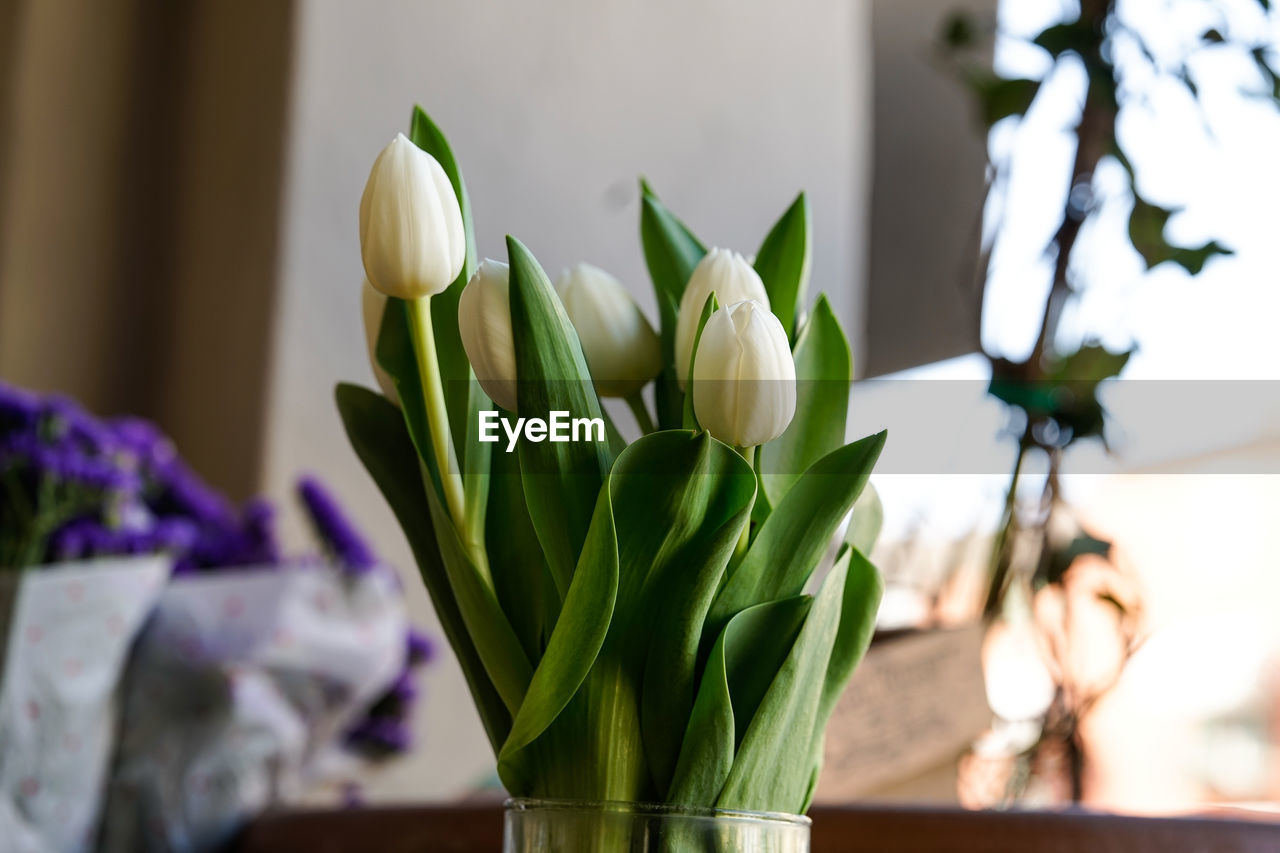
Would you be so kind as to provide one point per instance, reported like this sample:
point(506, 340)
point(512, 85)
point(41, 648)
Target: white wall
point(728, 107)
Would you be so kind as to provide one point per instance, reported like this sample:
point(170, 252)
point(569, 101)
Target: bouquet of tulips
point(643, 622)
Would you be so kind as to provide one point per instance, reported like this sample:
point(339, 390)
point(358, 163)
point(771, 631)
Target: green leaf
point(521, 578)
point(824, 371)
point(742, 665)
point(495, 640)
point(579, 633)
point(1147, 223)
point(377, 432)
point(796, 534)
point(774, 765)
point(958, 31)
point(677, 501)
point(561, 479)
point(708, 308)
point(463, 396)
point(671, 252)
point(866, 521)
point(1000, 97)
point(863, 590)
point(783, 263)
point(1071, 36)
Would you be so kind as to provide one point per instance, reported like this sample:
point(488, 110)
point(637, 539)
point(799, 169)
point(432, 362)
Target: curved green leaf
point(797, 533)
point(495, 640)
point(708, 308)
point(773, 769)
point(571, 652)
point(866, 521)
point(824, 371)
point(742, 665)
point(377, 432)
point(783, 263)
point(561, 479)
point(671, 251)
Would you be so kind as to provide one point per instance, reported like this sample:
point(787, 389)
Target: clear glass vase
point(583, 827)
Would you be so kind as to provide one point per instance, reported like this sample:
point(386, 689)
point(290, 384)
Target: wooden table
point(464, 829)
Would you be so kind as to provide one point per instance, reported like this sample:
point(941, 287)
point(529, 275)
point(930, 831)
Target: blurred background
point(1014, 203)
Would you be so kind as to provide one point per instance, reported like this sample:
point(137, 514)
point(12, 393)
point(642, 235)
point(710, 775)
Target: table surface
point(467, 828)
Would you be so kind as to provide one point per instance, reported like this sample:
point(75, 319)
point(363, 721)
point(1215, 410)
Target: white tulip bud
point(744, 379)
point(620, 346)
point(411, 234)
point(373, 305)
point(484, 321)
point(732, 279)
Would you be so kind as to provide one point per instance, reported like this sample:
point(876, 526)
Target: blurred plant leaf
point(1061, 559)
point(1066, 393)
point(1068, 37)
point(958, 30)
point(1270, 77)
point(1001, 97)
point(1147, 223)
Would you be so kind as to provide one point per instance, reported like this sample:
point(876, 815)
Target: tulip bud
point(732, 279)
point(744, 379)
point(484, 321)
point(411, 233)
point(374, 305)
point(619, 344)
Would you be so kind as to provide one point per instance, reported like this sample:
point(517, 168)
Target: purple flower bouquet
point(245, 671)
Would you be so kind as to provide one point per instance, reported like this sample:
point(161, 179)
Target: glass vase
point(609, 827)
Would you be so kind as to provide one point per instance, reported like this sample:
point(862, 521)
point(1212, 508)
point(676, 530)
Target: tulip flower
point(484, 321)
point(412, 239)
point(620, 346)
point(732, 279)
point(373, 304)
point(744, 379)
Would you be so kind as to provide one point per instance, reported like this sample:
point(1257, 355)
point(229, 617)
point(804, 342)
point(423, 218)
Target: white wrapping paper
point(66, 631)
point(238, 687)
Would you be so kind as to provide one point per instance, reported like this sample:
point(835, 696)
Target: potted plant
point(634, 621)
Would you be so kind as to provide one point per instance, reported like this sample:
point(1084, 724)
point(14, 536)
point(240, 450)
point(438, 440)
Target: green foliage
point(783, 263)
point(1001, 97)
point(1066, 394)
point(824, 372)
point(671, 252)
point(561, 479)
point(377, 432)
point(627, 631)
point(1146, 231)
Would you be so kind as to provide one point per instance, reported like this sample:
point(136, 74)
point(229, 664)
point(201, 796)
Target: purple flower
point(333, 528)
point(419, 647)
point(19, 408)
point(380, 736)
point(153, 450)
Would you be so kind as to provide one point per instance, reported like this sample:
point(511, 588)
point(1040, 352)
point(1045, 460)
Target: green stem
point(641, 412)
point(744, 538)
point(424, 349)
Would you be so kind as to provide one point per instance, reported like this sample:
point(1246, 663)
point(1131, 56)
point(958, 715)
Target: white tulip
point(373, 305)
point(484, 321)
point(744, 379)
point(732, 279)
point(411, 234)
point(620, 346)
